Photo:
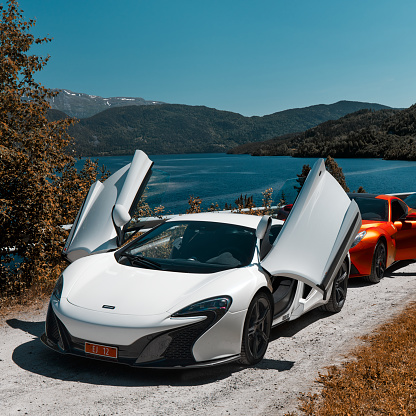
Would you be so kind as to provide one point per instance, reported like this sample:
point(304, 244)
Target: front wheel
point(256, 331)
point(339, 290)
point(378, 265)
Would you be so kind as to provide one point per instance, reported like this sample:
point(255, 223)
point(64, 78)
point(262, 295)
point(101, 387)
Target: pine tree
point(302, 177)
point(336, 171)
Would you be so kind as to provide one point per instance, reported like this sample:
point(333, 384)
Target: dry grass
point(380, 380)
point(31, 300)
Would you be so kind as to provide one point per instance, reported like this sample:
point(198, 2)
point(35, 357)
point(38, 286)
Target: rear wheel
point(378, 265)
point(256, 331)
point(339, 290)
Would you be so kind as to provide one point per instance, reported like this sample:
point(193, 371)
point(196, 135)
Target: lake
point(220, 178)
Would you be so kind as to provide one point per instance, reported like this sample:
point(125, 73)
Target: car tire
point(378, 265)
point(256, 332)
point(339, 290)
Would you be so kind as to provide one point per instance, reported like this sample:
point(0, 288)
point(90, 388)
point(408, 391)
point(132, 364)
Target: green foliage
point(388, 134)
point(174, 128)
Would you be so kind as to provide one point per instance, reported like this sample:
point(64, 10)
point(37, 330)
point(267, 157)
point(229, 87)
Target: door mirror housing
point(263, 226)
point(120, 215)
point(410, 217)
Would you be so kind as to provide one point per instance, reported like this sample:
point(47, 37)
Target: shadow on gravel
point(266, 364)
point(391, 273)
point(358, 282)
point(33, 328)
point(36, 358)
point(288, 329)
point(394, 270)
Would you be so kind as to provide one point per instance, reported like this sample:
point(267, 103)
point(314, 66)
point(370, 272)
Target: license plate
point(101, 350)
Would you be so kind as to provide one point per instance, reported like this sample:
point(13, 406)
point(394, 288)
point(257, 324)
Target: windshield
point(411, 201)
point(372, 209)
point(192, 247)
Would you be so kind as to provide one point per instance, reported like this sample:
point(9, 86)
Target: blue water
point(221, 178)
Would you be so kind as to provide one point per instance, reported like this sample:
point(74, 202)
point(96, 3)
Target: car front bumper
point(171, 348)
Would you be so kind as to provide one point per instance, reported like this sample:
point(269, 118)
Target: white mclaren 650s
point(198, 289)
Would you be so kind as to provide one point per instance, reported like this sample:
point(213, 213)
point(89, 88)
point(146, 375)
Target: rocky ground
point(37, 381)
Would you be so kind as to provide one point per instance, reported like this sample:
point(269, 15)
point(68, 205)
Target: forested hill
point(388, 134)
point(174, 128)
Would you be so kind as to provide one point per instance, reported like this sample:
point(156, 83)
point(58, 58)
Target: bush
point(40, 189)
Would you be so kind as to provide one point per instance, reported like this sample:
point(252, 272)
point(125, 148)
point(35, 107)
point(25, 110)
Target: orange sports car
point(387, 234)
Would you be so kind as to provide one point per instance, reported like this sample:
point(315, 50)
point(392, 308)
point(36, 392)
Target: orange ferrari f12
point(387, 235)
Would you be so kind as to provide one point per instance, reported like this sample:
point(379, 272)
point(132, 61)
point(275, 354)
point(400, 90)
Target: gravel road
point(38, 381)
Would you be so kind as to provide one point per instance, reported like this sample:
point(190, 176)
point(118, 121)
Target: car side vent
point(52, 330)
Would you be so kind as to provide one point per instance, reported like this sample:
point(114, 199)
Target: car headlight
point(358, 238)
point(57, 291)
point(218, 306)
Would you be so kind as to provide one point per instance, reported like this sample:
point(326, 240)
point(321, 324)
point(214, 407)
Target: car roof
point(362, 195)
point(251, 221)
point(372, 196)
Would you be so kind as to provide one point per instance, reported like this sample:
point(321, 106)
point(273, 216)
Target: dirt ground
point(37, 381)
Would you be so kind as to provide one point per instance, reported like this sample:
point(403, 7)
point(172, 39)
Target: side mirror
point(120, 215)
point(263, 226)
point(410, 217)
point(288, 207)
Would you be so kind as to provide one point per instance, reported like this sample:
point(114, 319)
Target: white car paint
point(106, 208)
point(313, 237)
point(133, 308)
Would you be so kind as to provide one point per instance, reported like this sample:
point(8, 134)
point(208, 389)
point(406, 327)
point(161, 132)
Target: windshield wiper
point(142, 261)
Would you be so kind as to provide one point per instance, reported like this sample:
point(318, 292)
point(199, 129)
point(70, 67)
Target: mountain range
point(80, 105)
point(387, 134)
point(175, 128)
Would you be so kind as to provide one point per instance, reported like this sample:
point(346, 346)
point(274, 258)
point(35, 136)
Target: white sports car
point(198, 289)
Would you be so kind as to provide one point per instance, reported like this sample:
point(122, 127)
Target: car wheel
point(339, 290)
point(378, 266)
point(256, 331)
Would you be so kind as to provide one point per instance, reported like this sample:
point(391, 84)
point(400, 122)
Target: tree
point(282, 200)
point(302, 177)
point(332, 167)
point(336, 171)
point(40, 188)
point(360, 190)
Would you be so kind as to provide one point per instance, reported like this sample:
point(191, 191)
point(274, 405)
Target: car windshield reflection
point(191, 246)
point(411, 201)
point(373, 209)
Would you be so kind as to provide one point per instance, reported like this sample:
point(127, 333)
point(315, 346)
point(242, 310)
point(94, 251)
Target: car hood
point(108, 286)
point(370, 224)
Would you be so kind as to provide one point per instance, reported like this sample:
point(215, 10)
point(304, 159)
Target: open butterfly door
point(107, 208)
point(318, 233)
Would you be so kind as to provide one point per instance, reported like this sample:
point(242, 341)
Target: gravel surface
point(38, 381)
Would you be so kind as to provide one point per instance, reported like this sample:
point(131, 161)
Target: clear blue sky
point(250, 57)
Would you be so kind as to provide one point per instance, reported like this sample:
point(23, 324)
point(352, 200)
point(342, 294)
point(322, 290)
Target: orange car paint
point(399, 237)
